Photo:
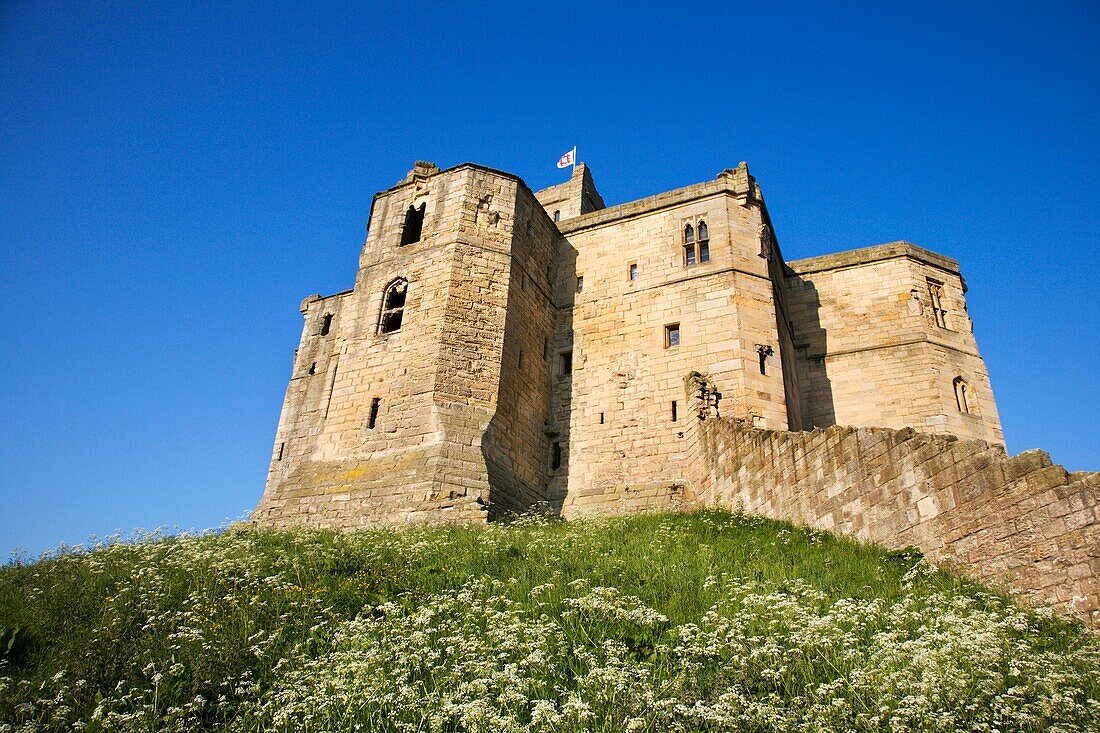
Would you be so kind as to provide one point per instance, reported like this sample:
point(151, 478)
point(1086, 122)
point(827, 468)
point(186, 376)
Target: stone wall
point(622, 280)
point(871, 352)
point(1020, 522)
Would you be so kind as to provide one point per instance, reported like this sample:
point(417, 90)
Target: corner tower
point(420, 392)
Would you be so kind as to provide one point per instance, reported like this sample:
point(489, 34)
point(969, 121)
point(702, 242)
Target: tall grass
point(703, 621)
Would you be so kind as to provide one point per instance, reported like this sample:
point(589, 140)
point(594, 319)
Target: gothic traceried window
point(964, 398)
point(696, 244)
point(935, 297)
point(393, 306)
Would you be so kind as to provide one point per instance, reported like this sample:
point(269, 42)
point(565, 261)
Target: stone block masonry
point(502, 349)
point(1020, 522)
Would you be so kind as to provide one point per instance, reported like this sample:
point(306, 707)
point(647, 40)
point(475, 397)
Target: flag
point(569, 158)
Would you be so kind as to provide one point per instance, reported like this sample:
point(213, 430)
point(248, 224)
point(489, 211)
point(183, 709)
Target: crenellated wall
point(1019, 522)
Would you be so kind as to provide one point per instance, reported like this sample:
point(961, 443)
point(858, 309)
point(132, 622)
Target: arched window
point(414, 224)
point(704, 242)
point(696, 243)
point(964, 400)
point(689, 245)
point(557, 215)
point(393, 306)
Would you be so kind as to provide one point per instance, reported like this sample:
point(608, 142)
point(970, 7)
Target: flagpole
point(574, 158)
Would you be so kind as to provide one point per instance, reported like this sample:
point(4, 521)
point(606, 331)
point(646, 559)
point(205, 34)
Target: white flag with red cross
point(568, 159)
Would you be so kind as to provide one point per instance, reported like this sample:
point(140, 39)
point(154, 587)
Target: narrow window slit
point(375, 403)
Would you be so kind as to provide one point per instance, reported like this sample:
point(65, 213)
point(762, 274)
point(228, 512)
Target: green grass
point(702, 621)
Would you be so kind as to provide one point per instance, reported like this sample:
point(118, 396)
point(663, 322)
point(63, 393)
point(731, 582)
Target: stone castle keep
point(503, 349)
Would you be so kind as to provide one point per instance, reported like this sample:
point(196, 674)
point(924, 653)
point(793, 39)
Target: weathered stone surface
point(555, 352)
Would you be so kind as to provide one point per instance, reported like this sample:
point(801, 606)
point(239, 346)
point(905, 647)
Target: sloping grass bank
point(706, 621)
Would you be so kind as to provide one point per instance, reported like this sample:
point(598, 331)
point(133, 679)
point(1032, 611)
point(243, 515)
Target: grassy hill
point(705, 621)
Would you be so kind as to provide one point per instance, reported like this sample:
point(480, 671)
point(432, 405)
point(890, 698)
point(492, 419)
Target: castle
point(503, 349)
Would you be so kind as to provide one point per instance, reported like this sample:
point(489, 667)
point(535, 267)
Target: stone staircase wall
point(1019, 522)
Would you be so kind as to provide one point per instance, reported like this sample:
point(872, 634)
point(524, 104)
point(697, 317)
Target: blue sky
point(175, 177)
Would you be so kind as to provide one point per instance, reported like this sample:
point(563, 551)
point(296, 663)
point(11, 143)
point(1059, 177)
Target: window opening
point(280, 451)
point(696, 244)
point(393, 306)
point(555, 458)
point(414, 224)
point(566, 362)
point(764, 351)
point(704, 243)
point(557, 215)
point(326, 324)
point(935, 295)
point(633, 270)
point(601, 418)
point(674, 415)
point(313, 368)
point(545, 349)
point(672, 335)
point(962, 396)
point(375, 403)
point(580, 283)
point(689, 245)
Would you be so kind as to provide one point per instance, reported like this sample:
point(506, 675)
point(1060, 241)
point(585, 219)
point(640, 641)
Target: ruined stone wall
point(1018, 522)
point(621, 444)
point(869, 348)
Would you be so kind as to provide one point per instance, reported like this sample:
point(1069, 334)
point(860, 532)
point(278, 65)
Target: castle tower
point(407, 398)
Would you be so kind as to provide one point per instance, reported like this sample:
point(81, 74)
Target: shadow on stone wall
point(811, 345)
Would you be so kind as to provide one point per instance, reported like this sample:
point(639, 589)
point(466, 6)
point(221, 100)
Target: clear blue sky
point(175, 177)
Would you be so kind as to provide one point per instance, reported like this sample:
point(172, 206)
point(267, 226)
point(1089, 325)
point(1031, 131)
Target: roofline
point(874, 253)
point(723, 184)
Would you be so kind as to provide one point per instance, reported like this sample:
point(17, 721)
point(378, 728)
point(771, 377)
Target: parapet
point(876, 253)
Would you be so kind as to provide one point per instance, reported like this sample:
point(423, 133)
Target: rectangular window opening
point(566, 363)
point(704, 251)
point(281, 446)
point(580, 283)
point(601, 418)
point(555, 458)
point(674, 414)
point(689, 255)
point(672, 335)
point(372, 421)
point(633, 270)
